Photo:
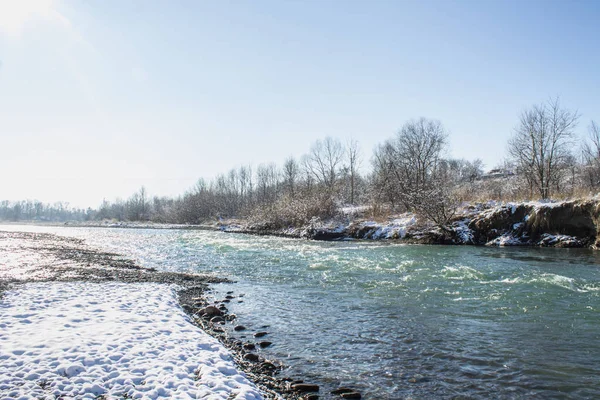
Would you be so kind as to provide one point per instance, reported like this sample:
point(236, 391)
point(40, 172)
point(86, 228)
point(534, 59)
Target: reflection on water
point(401, 321)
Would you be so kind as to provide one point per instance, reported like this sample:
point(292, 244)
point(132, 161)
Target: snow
point(353, 210)
point(395, 228)
point(519, 225)
point(505, 240)
point(548, 239)
point(463, 232)
point(85, 340)
point(537, 205)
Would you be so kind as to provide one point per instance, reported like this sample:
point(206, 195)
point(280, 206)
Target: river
point(399, 321)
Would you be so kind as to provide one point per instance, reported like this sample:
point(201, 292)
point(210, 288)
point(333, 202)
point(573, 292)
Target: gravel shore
point(42, 258)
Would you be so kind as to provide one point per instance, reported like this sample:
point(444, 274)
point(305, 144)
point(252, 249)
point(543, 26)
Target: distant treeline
point(27, 210)
point(410, 171)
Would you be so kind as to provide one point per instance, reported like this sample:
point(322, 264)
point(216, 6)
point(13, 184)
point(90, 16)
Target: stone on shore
point(210, 312)
point(305, 387)
point(251, 357)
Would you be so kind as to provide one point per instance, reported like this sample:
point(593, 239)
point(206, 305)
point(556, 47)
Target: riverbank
point(101, 312)
point(573, 223)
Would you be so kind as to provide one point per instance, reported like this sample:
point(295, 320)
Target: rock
point(230, 292)
point(249, 346)
point(268, 366)
point(305, 387)
point(265, 344)
point(325, 234)
point(311, 397)
point(342, 390)
point(239, 328)
point(260, 334)
point(210, 311)
point(217, 320)
point(226, 301)
point(229, 297)
point(251, 357)
point(417, 378)
point(351, 395)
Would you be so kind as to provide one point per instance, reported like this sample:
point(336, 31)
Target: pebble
point(342, 390)
point(351, 395)
point(210, 311)
point(239, 328)
point(305, 387)
point(268, 366)
point(417, 378)
point(265, 344)
point(249, 346)
point(260, 334)
point(251, 357)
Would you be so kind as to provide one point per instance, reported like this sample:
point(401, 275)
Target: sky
point(98, 98)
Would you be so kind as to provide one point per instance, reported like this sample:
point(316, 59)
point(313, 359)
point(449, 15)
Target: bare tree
point(290, 174)
point(307, 175)
point(383, 181)
point(591, 156)
point(325, 159)
point(138, 206)
point(541, 145)
point(245, 184)
point(267, 183)
point(416, 153)
point(353, 159)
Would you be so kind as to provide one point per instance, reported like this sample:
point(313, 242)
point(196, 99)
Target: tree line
point(410, 171)
point(28, 210)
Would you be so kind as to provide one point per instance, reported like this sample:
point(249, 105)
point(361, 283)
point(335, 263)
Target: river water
point(400, 321)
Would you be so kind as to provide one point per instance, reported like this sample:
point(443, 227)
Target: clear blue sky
point(100, 97)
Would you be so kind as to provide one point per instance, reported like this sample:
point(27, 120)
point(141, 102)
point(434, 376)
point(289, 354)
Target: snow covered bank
point(85, 340)
point(574, 223)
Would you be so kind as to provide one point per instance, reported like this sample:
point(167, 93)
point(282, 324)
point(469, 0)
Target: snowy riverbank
point(80, 323)
point(574, 223)
point(84, 340)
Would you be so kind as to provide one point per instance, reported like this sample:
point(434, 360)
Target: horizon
point(101, 98)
